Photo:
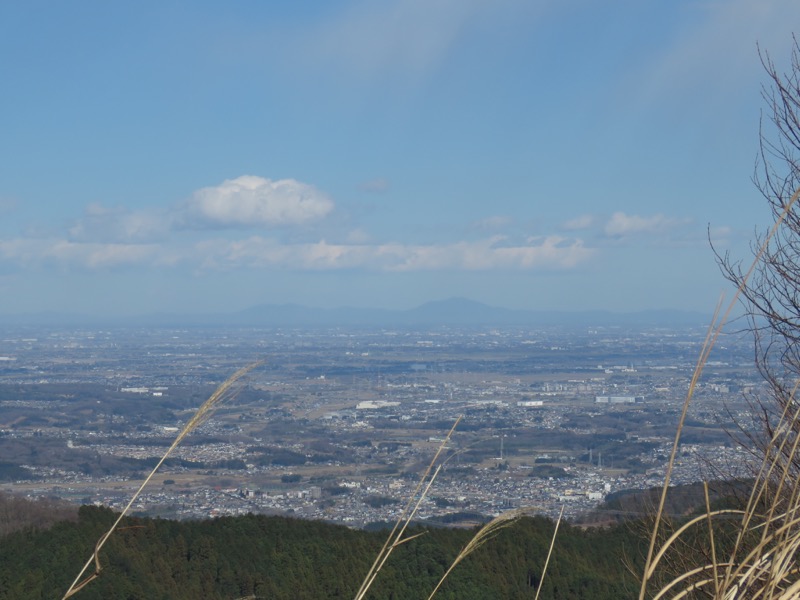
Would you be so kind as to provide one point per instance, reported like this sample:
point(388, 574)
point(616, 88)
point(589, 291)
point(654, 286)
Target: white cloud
point(256, 252)
point(66, 253)
point(106, 238)
point(621, 224)
point(249, 202)
point(243, 202)
point(20, 251)
point(721, 231)
point(259, 252)
point(118, 225)
point(722, 235)
point(552, 252)
point(98, 256)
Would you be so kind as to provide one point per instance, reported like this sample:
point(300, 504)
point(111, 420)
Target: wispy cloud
point(100, 256)
point(65, 253)
point(257, 252)
point(722, 236)
point(252, 202)
point(552, 252)
point(410, 36)
point(717, 52)
point(400, 39)
point(580, 222)
point(119, 225)
point(621, 224)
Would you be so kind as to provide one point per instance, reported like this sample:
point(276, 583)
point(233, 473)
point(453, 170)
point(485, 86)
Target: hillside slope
point(276, 557)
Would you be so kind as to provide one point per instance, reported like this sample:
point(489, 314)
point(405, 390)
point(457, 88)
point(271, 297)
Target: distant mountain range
point(451, 312)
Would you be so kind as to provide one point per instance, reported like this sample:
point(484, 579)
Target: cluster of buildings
point(339, 425)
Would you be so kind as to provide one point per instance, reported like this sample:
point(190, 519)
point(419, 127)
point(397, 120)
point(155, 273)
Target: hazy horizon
point(451, 312)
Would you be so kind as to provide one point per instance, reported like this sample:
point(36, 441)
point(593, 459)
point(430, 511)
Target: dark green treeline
point(277, 558)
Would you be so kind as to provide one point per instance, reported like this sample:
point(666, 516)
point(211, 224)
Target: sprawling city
point(340, 424)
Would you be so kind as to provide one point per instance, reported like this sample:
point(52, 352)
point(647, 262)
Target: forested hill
point(276, 557)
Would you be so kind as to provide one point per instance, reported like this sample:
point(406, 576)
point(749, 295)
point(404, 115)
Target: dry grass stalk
point(711, 336)
point(768, 570)
point(710, 523)
point(775, 449)
point(490, 530)
point(549, 553)
point(723, 588)
point(224, 392)
point(485, 533)
point(395, 537)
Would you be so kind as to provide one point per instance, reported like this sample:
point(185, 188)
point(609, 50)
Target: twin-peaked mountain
point(450, 312)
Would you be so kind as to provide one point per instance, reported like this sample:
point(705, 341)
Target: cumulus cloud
point(119, 225)
point(621, 224)
point(106, 238)
point(250, 202)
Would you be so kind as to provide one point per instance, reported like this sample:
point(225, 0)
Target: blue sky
point(542, 154)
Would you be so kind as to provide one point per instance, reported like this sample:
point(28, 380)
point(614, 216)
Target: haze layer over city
point(339, 423)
